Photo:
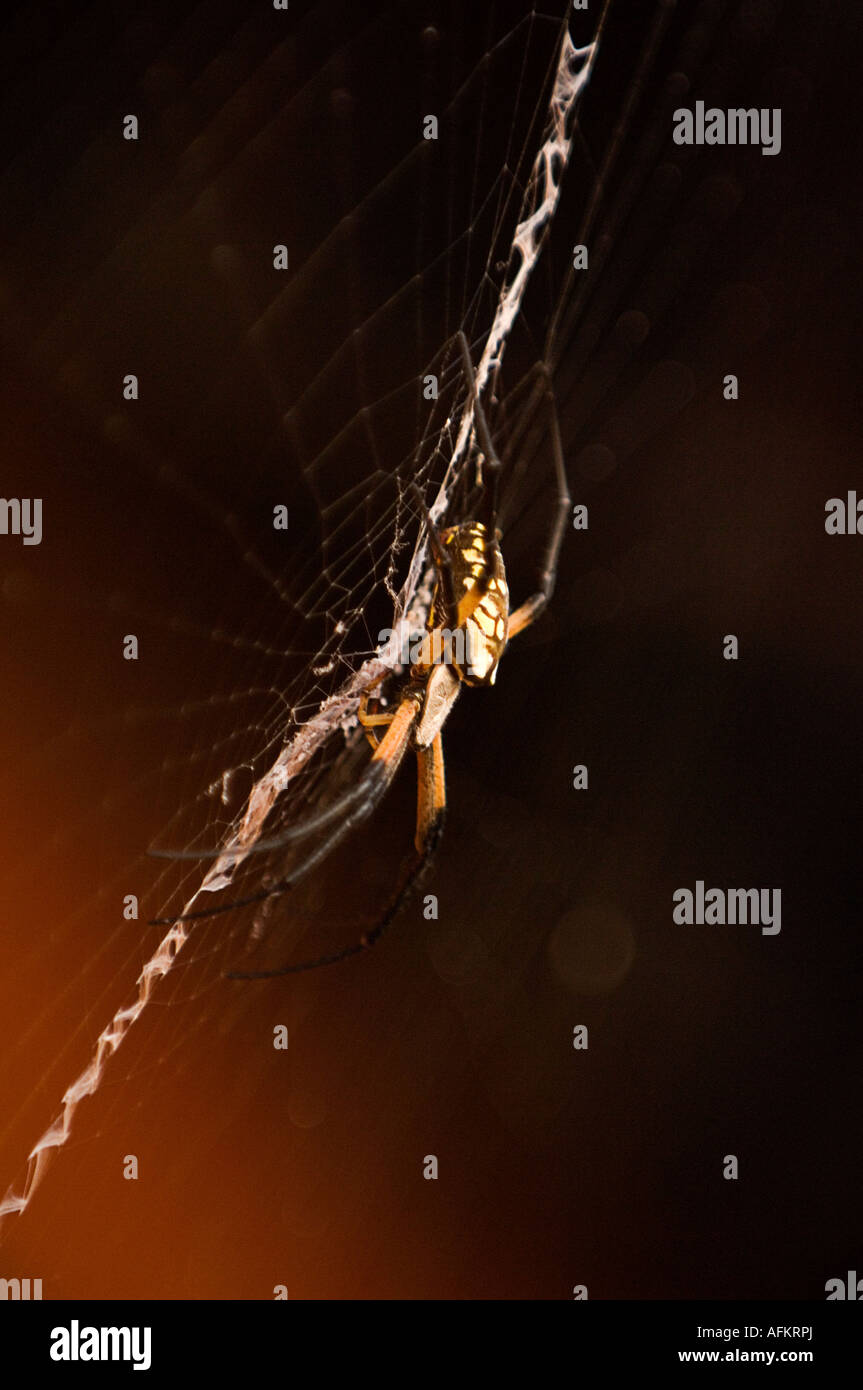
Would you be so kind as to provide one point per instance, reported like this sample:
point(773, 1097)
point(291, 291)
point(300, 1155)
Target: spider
point(470, 599)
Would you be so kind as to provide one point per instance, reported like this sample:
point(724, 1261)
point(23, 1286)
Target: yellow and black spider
point(471, 603)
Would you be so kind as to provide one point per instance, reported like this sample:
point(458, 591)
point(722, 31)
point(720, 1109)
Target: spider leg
point(373, 775)
point(431, 809)
point(530, 610)
point(354, 809)
point(373, 721)
point(431, 796)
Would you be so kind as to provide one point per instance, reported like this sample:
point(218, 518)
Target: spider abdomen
point(481, 600)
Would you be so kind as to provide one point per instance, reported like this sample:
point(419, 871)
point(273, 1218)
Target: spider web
point(395, 243)
point(303, 388)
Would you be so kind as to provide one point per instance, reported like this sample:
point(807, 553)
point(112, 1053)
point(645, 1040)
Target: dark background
point(557, 1167)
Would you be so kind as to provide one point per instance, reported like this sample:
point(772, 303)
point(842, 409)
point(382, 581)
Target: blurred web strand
point(540, 202)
